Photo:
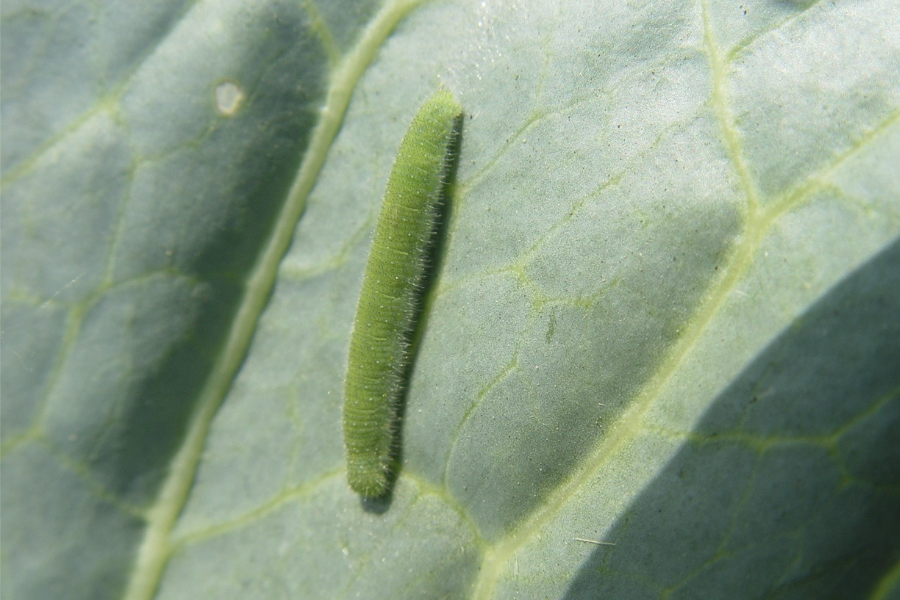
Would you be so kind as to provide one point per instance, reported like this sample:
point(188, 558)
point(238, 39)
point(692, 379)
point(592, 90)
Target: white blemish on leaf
point(229, 97)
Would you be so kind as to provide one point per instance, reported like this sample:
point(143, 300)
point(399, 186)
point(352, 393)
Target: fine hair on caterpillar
point(393, 283)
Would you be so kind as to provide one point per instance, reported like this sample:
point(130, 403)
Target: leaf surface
point(659, 355)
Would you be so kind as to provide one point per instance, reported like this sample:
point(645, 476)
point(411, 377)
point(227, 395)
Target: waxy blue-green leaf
point(659, 355)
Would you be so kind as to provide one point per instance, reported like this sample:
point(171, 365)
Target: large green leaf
point(660, 355)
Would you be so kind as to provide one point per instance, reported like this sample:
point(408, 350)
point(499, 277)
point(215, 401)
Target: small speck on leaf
point(229, 97)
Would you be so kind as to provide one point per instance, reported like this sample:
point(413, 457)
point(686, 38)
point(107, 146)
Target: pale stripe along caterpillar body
point(392, 282)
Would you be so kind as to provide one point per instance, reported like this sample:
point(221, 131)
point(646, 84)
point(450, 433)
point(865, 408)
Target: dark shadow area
point(256, 166)
point(433, 261)
point(130, 386)
point(259, 151)
point(381, 504)
point(155, 418)
point(791, 489)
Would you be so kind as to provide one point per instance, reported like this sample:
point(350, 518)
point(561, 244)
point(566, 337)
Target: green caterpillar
point(391, 286)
